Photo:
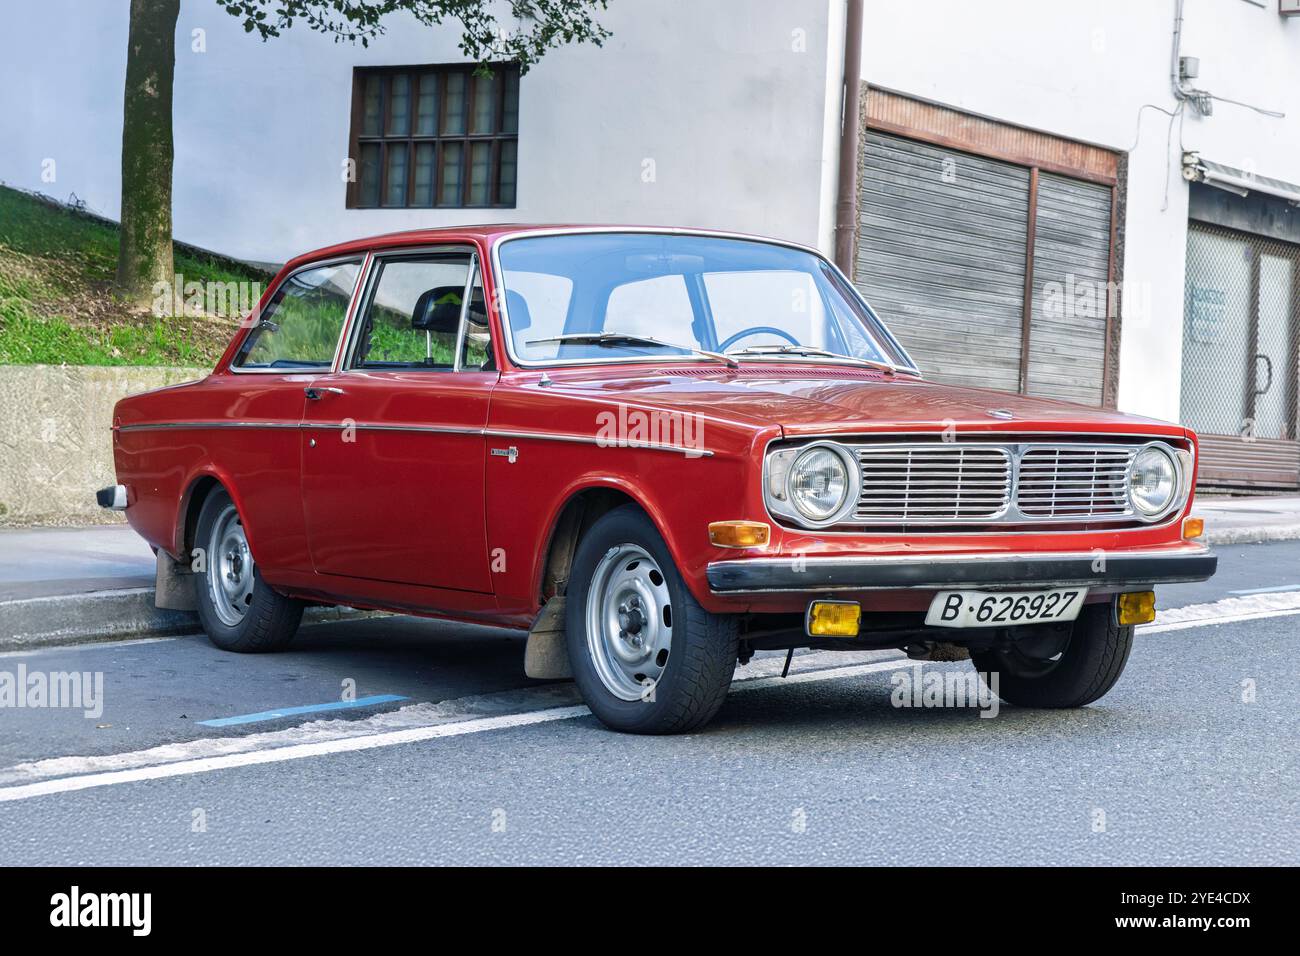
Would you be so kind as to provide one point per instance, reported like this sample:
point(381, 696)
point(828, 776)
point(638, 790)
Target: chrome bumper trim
point(935, 571)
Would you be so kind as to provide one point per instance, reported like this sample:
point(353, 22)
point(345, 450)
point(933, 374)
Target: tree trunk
point(145, 250)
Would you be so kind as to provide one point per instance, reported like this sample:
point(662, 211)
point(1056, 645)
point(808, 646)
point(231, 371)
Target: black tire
point(1086, 669)
point(697, 671)
point(269, 620)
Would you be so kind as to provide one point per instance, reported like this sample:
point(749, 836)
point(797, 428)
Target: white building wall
point(1083, 70)
point(727, 98)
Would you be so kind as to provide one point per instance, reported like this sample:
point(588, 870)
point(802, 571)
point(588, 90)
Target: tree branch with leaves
point(145, 256)
point(539, 25)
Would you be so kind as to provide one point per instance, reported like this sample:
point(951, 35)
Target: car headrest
point(517, 306)
point(438, 309)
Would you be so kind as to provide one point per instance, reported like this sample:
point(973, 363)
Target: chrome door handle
point(317, 392)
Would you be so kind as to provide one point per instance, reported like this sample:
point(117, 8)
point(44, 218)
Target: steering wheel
point(755, 330)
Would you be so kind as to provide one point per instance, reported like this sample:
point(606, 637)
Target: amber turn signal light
point(739, 534)
point(1193, 527)
point(1138, 607)
point(834, 618)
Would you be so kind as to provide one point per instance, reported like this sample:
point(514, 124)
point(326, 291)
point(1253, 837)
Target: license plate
point(1004, 608)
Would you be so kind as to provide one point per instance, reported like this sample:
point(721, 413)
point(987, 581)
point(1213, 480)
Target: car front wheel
point(1067, 668)
point(238, 610)
point(646, 656)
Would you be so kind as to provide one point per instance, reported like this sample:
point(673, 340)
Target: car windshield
point(584, 297)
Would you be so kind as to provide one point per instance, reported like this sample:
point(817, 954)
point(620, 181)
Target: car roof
point(490, 233)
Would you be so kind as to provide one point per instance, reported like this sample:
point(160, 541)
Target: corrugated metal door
point(1067, 335)
point(943, 244)
point(941, 255)
point(1241, 357)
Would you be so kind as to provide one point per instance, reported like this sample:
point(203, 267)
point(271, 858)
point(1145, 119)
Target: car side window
point(476, 353)
point(300, 326)
point(412, 319)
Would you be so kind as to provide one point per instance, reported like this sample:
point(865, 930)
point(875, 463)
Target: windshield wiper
point(629, 338)
point(810, 350)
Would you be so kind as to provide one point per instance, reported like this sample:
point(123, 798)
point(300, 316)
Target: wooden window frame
point(411, 139)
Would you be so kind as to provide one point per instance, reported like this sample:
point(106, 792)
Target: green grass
point(56, 301)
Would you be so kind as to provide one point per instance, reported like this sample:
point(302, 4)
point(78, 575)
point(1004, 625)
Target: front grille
point(1074, 482)
point(933, 483)
point(942, 484)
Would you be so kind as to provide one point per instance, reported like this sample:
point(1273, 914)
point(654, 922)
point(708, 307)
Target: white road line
point(368, 741)
point(1158, 628)
point(1230, 610)
point(298, 752)
point(1243, 607)
point(95, 646)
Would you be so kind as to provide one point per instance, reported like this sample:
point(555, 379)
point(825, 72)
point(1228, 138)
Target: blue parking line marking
point(304, 709)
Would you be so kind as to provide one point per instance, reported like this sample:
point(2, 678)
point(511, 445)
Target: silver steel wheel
point(629, 621)
point(230, 568)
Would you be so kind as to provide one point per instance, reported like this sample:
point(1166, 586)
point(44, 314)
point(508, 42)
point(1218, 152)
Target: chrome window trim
point(465, 302)
point(363, 261)
point(498, 279)
point(1185, 461)
point(347, 353)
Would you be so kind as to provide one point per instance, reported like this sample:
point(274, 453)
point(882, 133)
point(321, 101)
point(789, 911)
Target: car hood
point(808, 400)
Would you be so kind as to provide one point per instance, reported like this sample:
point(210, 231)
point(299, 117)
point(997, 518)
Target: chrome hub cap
point(230, 568)
point(629, 622)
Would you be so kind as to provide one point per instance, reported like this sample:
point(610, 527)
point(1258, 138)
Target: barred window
point(431, 136)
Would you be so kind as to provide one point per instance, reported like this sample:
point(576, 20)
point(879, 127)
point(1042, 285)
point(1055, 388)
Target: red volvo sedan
point(656, 451)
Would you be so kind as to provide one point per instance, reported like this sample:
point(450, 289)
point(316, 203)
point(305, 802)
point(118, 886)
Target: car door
point(260, 396)
point(392, 443)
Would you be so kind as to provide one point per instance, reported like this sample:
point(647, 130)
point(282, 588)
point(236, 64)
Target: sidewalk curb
point(97, 616)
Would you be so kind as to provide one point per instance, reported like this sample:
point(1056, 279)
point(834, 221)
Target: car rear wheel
point(646, 656)
point(238, 610)
point(1071, 670)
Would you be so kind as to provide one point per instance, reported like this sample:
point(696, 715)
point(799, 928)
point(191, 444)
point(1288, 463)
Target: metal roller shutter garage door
point(1067, 337)
point(941, 257)
point(942, 250)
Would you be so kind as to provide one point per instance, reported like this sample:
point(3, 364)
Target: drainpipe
point(846, 202)
point(1175, 74)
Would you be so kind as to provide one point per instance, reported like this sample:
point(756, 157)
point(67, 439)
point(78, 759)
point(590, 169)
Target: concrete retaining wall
point(56, 445)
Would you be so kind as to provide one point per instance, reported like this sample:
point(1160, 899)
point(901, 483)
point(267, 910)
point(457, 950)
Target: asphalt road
point(1179, 764)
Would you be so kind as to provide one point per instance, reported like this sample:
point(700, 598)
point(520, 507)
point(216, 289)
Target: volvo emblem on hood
point(1001, 413)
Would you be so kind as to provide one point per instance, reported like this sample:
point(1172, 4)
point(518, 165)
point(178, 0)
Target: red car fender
point(587, 483)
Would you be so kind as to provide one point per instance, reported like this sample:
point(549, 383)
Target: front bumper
point(941, 571)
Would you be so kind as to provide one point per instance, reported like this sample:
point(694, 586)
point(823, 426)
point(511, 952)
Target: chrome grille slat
point(966, 482)
point(933, 483)
point(1062, 482)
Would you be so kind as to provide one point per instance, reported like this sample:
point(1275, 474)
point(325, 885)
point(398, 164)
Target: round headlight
point(819, 483)
point(1152, 480)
